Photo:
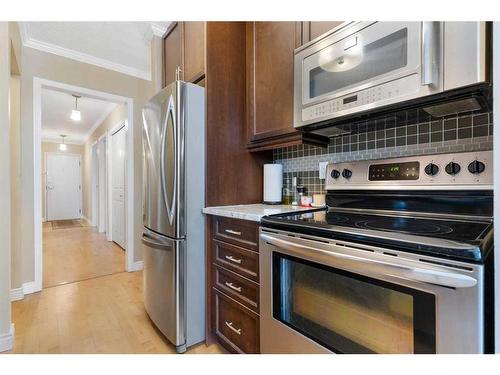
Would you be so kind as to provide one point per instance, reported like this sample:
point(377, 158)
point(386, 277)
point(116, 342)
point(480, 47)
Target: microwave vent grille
point(453, 107)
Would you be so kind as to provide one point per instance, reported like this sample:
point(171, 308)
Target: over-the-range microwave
point(363, 67)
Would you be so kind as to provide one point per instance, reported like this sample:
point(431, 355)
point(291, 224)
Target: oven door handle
point(373, 266)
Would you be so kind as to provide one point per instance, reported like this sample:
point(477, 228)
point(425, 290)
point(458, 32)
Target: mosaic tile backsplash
point(453, 134)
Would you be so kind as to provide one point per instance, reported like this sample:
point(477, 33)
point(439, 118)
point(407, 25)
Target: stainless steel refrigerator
point(174, 195)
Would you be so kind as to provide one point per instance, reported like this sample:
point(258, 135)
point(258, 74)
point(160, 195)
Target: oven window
point(349, 313)
point(349, 62)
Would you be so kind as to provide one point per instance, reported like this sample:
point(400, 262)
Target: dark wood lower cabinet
point(236, 327)
point(233, 284)
point(240, 289)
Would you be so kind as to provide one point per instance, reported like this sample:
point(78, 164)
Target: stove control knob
point(346, 173)
point(335, 174)
point(431, 169)
point(476, 167)
point(452, 168)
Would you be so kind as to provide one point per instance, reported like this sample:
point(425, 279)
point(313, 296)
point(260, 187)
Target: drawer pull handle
point(230, 326)
point(233, 259)
point(230, 231)
point(231, 285)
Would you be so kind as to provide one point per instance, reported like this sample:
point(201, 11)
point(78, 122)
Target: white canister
point(273, 183)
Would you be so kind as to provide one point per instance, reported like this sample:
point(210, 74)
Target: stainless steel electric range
point(399, 261)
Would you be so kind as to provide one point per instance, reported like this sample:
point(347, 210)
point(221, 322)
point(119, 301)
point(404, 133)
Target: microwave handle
point(429, 62)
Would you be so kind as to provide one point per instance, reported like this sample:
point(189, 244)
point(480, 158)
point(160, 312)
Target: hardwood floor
point(100, 315)
point(74, 251)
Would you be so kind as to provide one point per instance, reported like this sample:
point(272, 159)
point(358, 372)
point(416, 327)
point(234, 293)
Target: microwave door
point(162, 138)
point(365, 55)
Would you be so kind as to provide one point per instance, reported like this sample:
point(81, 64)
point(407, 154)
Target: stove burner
point(404, 225)
point(335, 218)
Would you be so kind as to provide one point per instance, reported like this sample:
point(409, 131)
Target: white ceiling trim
point(158, 29)
point(99, 121)
point(30, 42)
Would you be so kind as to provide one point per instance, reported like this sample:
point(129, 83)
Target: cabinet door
point(194, 51)
point(314, 29)
point(172, 52)
point(270, 47)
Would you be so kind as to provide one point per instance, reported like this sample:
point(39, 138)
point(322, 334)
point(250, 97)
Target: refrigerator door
point(163, 142)
point(164, 288)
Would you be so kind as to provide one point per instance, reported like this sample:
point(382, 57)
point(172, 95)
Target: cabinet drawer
point(239, 232)
point(237, 287)
point(235, 325)
point(237, 259)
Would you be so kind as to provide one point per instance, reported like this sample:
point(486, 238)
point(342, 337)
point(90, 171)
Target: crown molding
point(79, 56)
point(159, 29)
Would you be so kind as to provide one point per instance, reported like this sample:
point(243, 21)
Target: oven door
point(331, 297)
point(366, 65)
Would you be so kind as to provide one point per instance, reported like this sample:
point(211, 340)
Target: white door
point(118, 151)
point(95, 186)
point(101, 175)
point(63, 186)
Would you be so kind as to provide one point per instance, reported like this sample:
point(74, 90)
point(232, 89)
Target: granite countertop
point(252, 212)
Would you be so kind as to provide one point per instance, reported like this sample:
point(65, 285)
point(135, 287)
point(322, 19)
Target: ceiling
point(56, 109)
point(121, 46)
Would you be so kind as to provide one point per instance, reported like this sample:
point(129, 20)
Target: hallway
point(74, 251)
point(89, 304)
point(100, 315)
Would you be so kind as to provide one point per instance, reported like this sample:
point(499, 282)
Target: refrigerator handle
point(169, 206)
point(149, 241)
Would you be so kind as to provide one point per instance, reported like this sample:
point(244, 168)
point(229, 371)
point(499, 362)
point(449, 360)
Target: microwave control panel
point(384, 94)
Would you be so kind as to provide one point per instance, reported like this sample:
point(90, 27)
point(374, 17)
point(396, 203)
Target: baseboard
point(89, 222)
point(136, 266)
point(29, 288)
point(44, 220)
point(17, 294)
point(7, 339)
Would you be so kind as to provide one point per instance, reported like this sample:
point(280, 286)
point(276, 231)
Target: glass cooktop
point(405, 231)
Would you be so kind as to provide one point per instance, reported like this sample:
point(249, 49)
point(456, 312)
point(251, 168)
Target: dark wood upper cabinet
point(270, 47)
point(172, 52)
point(270, 53)
point(184, 47)
point(194, 51)
point(313, 29)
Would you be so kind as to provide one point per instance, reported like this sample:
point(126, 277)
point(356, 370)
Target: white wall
point(5, 317)
point(15, 182)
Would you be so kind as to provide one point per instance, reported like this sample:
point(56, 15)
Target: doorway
point(85, 235)
point(63, 186)
point(102, 187)
point(118, 154)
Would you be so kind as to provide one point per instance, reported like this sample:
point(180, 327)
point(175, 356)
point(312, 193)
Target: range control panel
point(396, 171)
point(466, 170)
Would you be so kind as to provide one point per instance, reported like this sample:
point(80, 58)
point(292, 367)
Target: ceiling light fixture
point(75, 113)
point(63, 146)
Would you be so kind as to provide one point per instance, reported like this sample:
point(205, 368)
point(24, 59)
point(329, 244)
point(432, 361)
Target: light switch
point(322, 169)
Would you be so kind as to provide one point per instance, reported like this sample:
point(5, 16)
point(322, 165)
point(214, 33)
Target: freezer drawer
point(163, 287)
